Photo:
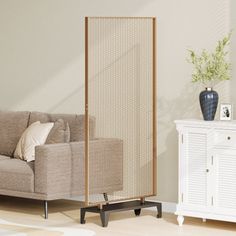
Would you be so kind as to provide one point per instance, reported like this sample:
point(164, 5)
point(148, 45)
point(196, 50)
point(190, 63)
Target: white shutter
point(226, 179)
point(196, 165)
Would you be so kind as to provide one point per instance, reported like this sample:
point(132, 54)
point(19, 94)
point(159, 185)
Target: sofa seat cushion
point(17, 175)
point(2, 157)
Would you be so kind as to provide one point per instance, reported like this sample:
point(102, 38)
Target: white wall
point(42, 59)
point(233, 53)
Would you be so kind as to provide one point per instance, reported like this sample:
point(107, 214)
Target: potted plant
point(208, 69)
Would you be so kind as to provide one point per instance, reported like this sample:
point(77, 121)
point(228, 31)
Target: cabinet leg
point(180, 220)
point(204, 220)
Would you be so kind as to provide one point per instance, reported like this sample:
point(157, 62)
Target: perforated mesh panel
point(120, 77)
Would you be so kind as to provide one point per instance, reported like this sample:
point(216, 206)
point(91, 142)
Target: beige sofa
point(58, 170)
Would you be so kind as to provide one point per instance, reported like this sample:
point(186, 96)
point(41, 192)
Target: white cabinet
point(207, 170)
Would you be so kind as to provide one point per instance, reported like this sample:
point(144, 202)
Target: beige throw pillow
point(36, 134)
point(60, 133)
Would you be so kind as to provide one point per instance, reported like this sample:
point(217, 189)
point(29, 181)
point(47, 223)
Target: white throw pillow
point(36, 134)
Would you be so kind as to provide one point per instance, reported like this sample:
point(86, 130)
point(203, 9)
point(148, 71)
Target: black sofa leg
point(45, 203)
point(106, 198)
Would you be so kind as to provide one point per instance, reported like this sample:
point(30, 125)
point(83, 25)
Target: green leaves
point(210, 67)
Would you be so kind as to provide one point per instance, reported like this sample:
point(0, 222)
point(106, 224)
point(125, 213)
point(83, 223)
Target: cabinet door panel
point(225, 173)
point(196, 165)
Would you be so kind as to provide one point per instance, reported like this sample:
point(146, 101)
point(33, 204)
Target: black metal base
point(116, 207)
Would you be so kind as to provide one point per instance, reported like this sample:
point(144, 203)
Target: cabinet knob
point(207, 170)
point(228, 137)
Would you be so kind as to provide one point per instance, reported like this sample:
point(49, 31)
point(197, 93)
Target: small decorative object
point(225, 111)
point(210, 68)
point(208, 102)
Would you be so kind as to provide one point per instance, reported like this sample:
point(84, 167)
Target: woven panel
point(120, 97)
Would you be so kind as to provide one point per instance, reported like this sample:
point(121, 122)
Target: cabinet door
point(194, 167)
point(225, 181)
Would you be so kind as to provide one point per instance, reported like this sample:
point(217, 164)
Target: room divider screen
point(120, 84)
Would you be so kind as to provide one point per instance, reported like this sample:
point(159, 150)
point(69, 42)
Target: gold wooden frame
point(87, 202)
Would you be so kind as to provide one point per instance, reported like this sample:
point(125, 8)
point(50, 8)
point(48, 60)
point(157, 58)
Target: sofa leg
point(106, 198)
point(45, 209)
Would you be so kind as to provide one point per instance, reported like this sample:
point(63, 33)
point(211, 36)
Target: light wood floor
point(66, 214)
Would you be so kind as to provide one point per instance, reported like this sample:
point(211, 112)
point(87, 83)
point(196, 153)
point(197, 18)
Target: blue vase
point(208, 102)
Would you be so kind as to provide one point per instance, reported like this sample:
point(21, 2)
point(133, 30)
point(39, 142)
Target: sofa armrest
point(53, 169)
point(105, 166)
point(60, 168)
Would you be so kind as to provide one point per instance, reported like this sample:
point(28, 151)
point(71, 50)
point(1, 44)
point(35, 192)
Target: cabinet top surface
point(198, 122)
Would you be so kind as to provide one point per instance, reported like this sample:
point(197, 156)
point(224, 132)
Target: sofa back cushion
point(76, 123)
point(60, 133)
point(12, 125)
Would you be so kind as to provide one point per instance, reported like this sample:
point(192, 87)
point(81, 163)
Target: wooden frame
point(87, 202)
point(86, 148)
point(154, 111)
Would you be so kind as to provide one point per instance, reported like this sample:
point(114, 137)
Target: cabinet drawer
point(225, 138)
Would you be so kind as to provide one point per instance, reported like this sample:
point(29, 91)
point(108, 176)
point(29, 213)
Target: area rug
point(13, 229)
